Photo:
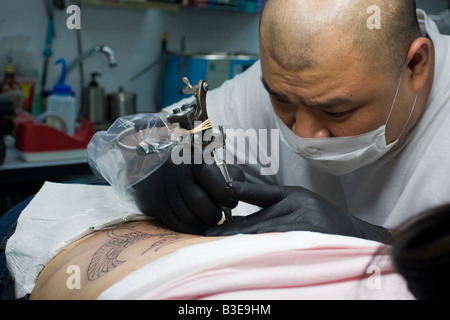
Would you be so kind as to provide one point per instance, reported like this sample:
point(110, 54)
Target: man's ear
point(419, 62)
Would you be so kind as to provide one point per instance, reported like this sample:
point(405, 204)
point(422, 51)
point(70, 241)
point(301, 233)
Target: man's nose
point(309, 124)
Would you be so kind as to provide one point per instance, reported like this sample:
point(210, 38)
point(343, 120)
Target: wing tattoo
point(106, 257)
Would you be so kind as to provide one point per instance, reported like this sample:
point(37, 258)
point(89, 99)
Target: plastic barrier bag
point(132, 148)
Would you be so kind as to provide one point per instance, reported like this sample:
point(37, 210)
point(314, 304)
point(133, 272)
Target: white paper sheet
point(58, 215)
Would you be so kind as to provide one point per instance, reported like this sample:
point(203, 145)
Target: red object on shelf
point(38, 137)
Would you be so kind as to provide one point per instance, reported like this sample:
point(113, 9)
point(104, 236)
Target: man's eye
point(335, 114)
point(338, 114)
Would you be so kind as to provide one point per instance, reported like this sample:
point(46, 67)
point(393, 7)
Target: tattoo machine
point(137, 145)
point(194, 118)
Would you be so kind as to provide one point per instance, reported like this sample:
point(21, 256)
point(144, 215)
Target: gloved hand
point(293, 208)
point(186, 197)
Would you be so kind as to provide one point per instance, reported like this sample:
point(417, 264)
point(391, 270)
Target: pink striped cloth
point(348, 269)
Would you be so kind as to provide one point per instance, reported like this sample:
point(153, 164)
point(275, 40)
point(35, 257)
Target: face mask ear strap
point(395, 98)
point(410, 115)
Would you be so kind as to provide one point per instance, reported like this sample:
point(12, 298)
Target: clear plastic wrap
point(132, 148)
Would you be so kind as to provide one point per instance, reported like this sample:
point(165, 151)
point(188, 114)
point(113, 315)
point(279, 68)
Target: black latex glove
point(186, 197)
point(293, 208)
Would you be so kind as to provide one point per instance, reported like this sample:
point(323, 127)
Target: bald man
point(358, 93)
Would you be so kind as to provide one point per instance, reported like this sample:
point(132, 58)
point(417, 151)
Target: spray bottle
point(62, 104)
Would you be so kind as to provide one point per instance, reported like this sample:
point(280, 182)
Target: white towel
point(58, 215)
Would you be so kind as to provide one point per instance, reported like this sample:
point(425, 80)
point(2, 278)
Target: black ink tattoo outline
point(106, 257)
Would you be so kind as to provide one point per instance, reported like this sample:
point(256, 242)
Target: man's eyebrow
point(273, 92)
point(334, 102)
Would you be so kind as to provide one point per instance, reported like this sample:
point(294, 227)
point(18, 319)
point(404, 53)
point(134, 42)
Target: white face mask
point(342, 155)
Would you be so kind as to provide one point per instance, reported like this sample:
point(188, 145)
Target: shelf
point(13, 161)
point(167, 6)
point(16, 171)
point(249, 6)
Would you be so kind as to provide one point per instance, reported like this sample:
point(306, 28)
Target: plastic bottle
point(10, 87)
point(61, 103)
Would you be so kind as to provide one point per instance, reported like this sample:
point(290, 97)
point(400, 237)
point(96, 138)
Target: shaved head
point(302, 34)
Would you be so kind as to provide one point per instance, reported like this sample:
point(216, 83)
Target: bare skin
point(105, 257)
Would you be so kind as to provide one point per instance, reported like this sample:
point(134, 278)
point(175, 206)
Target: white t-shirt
point(412, 177)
